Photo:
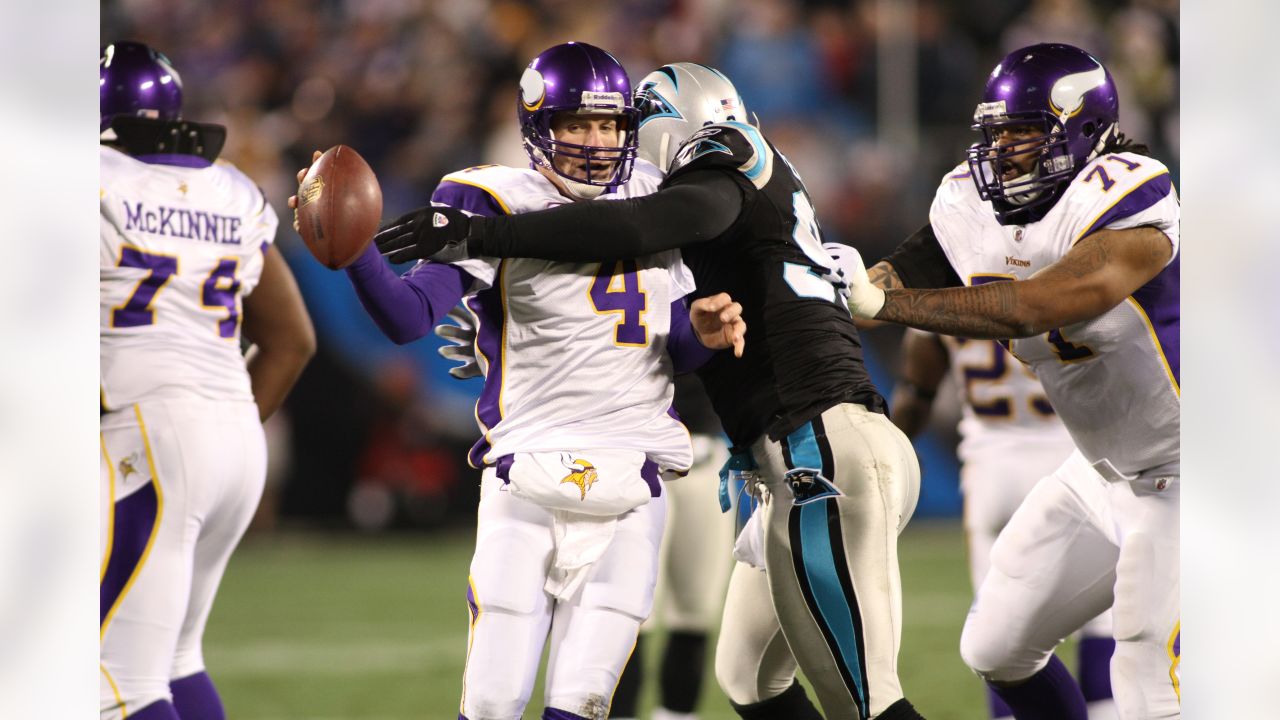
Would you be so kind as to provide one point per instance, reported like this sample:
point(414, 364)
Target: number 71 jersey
point(181, 245)
point(1114, 379)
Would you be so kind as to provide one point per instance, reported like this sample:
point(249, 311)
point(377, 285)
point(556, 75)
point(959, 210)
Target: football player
point(837, 479)
point(1010, 437)
point(578, 361)
point(1066, 236)
point(187, 262)
point(693, 568)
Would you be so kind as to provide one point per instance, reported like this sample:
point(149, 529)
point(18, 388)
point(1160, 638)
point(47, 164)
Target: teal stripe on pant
point(803, 445)
point(820, 570)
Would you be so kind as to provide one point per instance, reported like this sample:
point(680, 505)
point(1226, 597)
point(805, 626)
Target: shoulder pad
point(1114, 187)
point(728, 146)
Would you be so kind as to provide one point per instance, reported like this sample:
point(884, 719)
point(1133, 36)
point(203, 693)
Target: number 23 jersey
point(181, 244)
point(1114, 380)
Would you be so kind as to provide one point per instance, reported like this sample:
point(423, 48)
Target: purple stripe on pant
point(135, 519)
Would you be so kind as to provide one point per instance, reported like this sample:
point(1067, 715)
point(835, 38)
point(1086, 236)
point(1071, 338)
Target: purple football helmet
point(134, 79)
point(579, 78)
point(1070, 98)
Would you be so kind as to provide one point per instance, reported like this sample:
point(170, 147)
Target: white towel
point(580, 541)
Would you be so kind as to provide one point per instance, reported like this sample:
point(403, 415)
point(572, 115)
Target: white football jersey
point(1004, 408)
point(181, 246)
point(574, 354)
point(1124, 410)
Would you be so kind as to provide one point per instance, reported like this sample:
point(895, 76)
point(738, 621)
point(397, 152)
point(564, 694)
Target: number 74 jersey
point(1114, 380)
point(181, 245)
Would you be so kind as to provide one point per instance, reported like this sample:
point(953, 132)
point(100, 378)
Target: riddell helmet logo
point(583, 474)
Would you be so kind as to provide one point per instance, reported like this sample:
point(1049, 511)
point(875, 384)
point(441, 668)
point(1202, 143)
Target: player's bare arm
point(718, 323)
point(1095, 276)
point(276, 321)
point(924, 364)
point(884, 276)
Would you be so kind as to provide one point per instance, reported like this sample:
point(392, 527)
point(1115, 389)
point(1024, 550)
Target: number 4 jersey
point(182, 243)
point(574, 354)
point(1113, 379)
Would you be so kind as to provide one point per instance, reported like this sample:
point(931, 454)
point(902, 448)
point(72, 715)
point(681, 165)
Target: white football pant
point(1075, 545)
point(591, 635)
point(832, 570)
point(180, 482)
point(994, 485)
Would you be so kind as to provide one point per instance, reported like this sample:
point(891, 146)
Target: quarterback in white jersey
point(1010, 437)
point(576, 417)
point(184, 241)
point(1069, 241)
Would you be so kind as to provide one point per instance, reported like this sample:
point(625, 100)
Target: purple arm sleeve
point(686, 351)
point(406, 308)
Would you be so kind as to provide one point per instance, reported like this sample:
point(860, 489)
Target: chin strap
point(1103, 138)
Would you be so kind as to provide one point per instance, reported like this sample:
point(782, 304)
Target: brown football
point(339, 207)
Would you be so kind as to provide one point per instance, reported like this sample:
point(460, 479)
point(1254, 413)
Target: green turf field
point(346, 626)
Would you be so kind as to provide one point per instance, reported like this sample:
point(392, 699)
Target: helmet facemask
point(592, 168)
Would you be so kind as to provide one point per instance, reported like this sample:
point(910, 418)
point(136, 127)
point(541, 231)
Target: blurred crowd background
point(870, 100)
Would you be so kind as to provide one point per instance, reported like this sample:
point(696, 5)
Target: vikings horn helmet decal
point(579, 78)
point(134, 79)
point(677, 100)
point(1070, 98)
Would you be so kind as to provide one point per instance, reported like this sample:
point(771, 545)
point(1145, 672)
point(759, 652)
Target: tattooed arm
point(1097, 274)
point(884, 276)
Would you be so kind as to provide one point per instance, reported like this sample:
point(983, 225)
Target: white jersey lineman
point(183, 453)
point(1079, 540)
point(577, 423)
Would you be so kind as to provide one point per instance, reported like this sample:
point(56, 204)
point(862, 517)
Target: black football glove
point(435, 233)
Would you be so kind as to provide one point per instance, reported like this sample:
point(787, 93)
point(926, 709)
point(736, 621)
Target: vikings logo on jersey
point(583, 473)
point(128, 466)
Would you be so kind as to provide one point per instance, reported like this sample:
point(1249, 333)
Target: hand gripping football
point(339, 207)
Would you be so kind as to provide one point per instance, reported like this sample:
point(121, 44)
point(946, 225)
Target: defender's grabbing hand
point(436, 233)
point(718, 323)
